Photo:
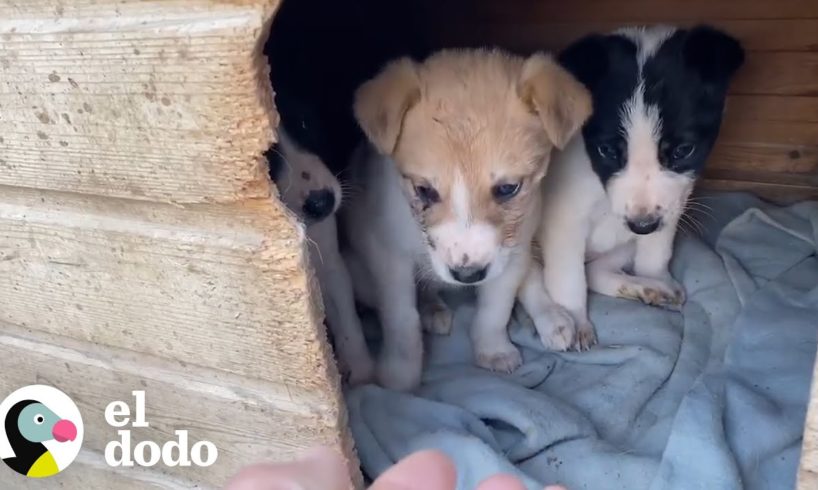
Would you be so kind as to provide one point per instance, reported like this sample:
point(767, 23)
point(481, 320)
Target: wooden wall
point(769, 142)
point(141, 243)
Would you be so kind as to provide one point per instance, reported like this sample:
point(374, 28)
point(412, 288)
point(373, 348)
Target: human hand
point(324, 469)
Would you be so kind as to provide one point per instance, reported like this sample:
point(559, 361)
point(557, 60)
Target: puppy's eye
point(682, 151)
point(504, 192)
point(608, 151)
point(427, 194)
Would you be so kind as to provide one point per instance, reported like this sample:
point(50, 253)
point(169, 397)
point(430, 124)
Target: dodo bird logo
point(41, 432)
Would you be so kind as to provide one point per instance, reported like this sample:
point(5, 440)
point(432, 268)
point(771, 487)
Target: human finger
point(319, 469)
point(501, 482)
point(424, 470)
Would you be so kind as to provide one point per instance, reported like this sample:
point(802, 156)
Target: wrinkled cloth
point(712, 397)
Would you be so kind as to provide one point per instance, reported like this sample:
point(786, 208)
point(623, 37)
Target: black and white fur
point(613, 198)
point(311, 191)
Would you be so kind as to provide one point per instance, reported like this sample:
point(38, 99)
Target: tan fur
point(381, 103)
point(562, 103)
point(485, 117)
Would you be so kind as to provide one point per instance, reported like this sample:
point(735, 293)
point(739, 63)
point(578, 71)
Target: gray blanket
point(710, 398)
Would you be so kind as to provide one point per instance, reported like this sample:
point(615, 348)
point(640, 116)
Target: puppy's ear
point(560, 100)
point(381, 103)
point(716, 56)
point(286, 144)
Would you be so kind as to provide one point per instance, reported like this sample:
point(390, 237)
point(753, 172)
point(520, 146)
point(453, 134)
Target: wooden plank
point(769, 133)
point(739, 128)
point(247, 420)
point(772, 108)
point(762, 176)
point(778, 193)
point(628, 11)
point(160, 100)
point(775, 146)
point(778, 74)
point(222, 286)
point(527, 32)
point(770, 157)
point(773, 134)
point(808, 469)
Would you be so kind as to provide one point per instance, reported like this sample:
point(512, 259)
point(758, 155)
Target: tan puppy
point(451, 197)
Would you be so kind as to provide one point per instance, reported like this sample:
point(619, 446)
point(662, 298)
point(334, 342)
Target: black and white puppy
point(311, 191)
point(614, 196)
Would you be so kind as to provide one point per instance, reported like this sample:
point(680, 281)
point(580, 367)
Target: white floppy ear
point(562, 103)
point(285, 143)
point(381, 103)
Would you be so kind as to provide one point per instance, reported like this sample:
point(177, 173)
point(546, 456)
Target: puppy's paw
point(678, 296)
point(556, 328)
point(666, 293)
point(399, 372)
point(586, 336)
point(436, 317)
point(502, 357)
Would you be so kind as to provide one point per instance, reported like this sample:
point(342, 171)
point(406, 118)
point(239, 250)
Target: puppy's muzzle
point(319, 204)
point(469, 274)
point(644, 224)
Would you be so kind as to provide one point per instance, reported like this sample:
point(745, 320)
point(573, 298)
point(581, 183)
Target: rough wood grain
point(161, 100)
point(222, 286)
point(808, 470)
point(247, 420)
point(169, 266)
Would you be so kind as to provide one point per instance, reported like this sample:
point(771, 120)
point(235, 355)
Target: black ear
point(716, 56)
point(586, 59)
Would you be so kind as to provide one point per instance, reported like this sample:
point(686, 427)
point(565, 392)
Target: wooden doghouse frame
point(141, 242)
point(142, 245)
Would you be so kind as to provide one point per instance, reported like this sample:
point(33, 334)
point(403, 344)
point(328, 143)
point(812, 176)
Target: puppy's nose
point(644, 224)
point(469, 274)
point(319, 204)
